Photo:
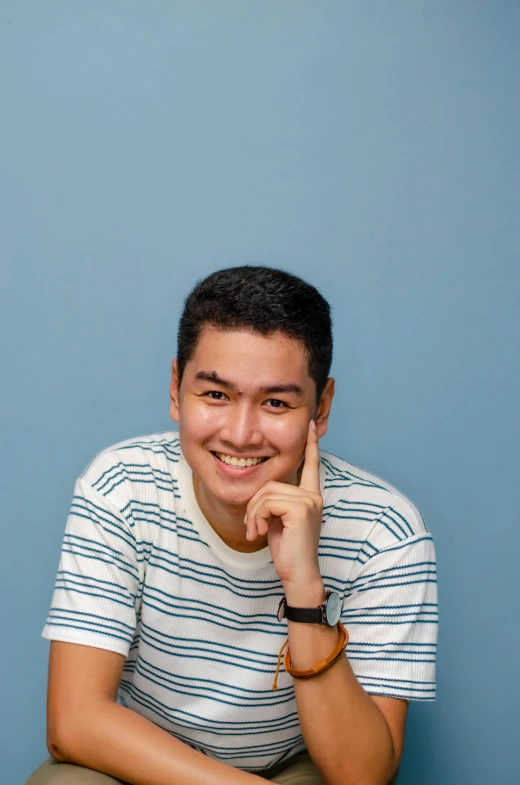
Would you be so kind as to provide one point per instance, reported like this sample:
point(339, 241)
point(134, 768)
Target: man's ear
point(323, 411)
point(174, 393)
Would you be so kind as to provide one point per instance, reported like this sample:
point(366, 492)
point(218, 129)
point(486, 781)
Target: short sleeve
point(97, 584)
point(391, 614)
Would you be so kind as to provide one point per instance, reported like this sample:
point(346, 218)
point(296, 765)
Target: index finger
point(310, 479)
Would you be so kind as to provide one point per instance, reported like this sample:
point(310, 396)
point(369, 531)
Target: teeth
point(240, 462)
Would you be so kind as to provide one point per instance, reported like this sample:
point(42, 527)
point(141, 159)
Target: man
point(192, 562)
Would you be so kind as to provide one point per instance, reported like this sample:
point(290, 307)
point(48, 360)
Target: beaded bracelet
point(320, 667)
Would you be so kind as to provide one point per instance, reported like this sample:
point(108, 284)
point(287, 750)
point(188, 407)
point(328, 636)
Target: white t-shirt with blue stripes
point(143, 573)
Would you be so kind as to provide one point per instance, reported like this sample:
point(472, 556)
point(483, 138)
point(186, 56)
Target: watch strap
point(304, 615)
point(316, 615)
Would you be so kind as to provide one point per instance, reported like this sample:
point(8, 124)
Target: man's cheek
point(290, 437)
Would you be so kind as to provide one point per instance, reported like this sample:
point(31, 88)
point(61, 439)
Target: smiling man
point(233, 604)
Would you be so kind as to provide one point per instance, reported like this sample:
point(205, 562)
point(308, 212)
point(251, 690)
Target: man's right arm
point(86, 726)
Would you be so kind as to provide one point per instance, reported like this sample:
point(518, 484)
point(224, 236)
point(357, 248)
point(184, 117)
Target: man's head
point(254, 354)
point(263, 300)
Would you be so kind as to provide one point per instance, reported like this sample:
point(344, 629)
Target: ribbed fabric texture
point(143, 573)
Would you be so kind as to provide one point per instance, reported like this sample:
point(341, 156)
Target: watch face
point(281, 609)
point(333, 610)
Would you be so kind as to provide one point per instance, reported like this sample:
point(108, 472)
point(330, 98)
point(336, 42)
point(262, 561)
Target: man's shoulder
point(350, 490)
point(138, 453)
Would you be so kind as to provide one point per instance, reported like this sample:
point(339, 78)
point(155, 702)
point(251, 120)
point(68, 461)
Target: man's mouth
point(239, 463)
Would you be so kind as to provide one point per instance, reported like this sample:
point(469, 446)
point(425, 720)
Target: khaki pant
point(298, 770)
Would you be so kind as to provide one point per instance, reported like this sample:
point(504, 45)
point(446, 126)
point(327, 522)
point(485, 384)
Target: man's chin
point(240, 492)
point(237, 497)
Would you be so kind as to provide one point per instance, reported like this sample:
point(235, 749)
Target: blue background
point(371, 147)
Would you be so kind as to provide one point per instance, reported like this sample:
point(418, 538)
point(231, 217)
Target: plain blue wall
point(371, 147)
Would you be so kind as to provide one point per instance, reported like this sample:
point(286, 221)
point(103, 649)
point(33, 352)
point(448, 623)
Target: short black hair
point(264, 300)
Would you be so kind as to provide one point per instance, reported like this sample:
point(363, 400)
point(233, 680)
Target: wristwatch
point(328, 613)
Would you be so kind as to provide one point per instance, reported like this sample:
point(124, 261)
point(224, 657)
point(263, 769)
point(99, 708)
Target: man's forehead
point(241, 344)
point(250, 360)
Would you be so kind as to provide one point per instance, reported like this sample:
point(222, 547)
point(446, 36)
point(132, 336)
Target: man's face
point(244, 397)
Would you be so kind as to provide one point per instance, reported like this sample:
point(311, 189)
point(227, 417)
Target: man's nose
point(241, 427)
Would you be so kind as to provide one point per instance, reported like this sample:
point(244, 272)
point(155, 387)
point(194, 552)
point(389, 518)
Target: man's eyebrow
point(212, 376)
point(282, 388)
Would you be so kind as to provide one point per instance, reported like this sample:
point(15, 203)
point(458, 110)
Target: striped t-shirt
point(143, 573)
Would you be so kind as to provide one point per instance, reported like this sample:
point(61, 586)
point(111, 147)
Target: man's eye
point(276, 404)
point(215, 395)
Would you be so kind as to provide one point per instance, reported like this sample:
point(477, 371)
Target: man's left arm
point(353, 738)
